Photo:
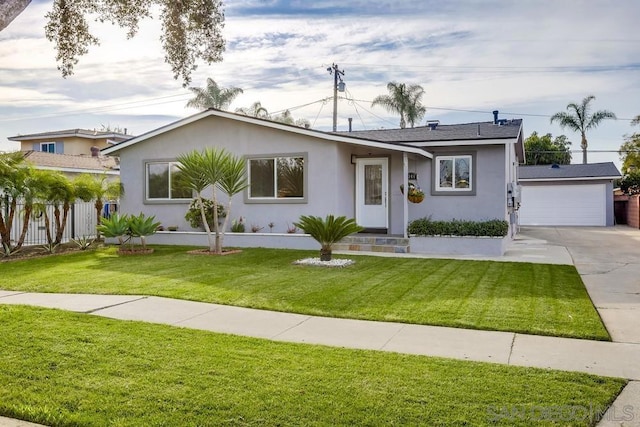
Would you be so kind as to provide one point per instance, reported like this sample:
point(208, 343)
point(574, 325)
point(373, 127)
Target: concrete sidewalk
point(594, 357)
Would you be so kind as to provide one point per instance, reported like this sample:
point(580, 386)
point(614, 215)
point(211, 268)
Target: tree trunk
point(583, 145)
point(325, 254)
point(28, 208)
point(61, 225)
point(99, 205)
point(4, 236)
point(205, 223)
point(10, 9)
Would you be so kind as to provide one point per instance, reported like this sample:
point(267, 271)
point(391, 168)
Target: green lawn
point(520, 297)
point(67, 369)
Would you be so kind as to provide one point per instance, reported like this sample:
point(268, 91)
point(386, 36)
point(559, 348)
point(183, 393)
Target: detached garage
point(580, 195)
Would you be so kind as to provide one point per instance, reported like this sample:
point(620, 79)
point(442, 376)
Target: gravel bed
point(333, 263)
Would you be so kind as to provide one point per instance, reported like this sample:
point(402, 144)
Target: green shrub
point(327, 231)
point(194, 217)
point(142, 226)
point(630, 183)
point(427, 227)
point(117, 226)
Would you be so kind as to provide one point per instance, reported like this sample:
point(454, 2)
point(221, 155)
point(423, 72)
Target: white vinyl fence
point(81, 222)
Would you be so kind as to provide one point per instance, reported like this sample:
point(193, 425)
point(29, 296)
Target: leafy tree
point(630, 183)
point(97, 189)
point(542, 150)
point(287, 118)
point(191, 30)
point(13, 177)
point(405, 100)
point(60, 192)
point(213, 96)
point(580, 119)
point(630, 153)
point(217, 169)
point(255, 110)
point(327, 231)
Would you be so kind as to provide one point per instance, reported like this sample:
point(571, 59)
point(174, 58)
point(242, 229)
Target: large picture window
point(277, 178)
point(166, 182)
point(454, 173)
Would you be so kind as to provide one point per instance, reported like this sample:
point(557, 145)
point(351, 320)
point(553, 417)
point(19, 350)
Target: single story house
point(566, 195)
point(466, 171)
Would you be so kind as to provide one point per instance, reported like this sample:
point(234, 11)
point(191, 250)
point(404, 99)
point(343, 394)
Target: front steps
point(363, 243)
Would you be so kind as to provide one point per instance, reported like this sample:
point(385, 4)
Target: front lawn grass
point(62, 369)
point(519, 297)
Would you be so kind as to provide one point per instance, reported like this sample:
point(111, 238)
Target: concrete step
point(362, 243)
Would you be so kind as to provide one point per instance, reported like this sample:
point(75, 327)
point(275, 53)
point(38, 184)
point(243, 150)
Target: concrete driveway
point(608, 260)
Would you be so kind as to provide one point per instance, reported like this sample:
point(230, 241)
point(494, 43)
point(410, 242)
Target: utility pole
point(338, 85)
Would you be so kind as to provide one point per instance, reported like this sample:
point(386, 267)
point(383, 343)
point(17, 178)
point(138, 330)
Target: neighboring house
point(74, 165)
point(580, 195)
point(71, 152)
point(75, 142)
point(465, 170)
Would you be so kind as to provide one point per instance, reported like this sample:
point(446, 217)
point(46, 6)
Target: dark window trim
point(275, 200)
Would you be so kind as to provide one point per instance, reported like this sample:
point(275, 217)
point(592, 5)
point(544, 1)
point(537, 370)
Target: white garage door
point(564, 205)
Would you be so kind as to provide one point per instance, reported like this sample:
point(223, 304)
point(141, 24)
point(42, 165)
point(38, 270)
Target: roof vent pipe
point(495, 117)
point(350, 121)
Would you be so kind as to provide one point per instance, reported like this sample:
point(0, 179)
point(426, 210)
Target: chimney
point(433, 124)
point(95, 151)
point(125, 131)
point(350, 122)
point(495, 117)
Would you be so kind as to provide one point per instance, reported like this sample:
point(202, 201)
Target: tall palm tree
point(405, 100)
point(579, 119)
point(255, 110)
point(213, 96)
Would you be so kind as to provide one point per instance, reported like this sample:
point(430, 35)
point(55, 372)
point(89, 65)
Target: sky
point(528, 59)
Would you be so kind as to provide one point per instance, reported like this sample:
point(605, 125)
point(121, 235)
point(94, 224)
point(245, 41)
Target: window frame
point(437, 190)
point(248, 199)
point(48, 144)
point(161, 200)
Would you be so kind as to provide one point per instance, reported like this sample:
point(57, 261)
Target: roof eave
point(270, 124)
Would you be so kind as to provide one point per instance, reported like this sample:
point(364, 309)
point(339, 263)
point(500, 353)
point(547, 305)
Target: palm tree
point(220, 170)
point(579, 119)
point(13, 173)
point(213, 96)
point(327, 231)
point(60, 192)
point(97, 188)
point(405, 100)
point(255, 110)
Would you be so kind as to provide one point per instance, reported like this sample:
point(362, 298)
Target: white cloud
point(529, 57)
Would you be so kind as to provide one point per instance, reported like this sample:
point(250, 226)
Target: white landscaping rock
point(333, 263)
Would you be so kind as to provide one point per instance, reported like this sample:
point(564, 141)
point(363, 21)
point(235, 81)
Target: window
point(166, 182)
point(276, 178)
point(48, 147)
point(454, 173)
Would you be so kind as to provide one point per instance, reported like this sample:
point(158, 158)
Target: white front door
point(372, 184)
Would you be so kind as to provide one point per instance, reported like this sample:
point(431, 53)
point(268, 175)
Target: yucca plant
point(116, 227)
point(142, 226)
point(327, 231)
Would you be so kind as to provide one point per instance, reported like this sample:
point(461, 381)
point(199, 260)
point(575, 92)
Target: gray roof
point(579, 171)
point(83, 133)
point(459, 132)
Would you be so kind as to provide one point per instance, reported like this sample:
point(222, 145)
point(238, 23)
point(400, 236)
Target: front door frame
point(381, 224)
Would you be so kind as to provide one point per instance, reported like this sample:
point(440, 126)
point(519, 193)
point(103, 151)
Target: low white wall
point(458, 245)
point(237, 240)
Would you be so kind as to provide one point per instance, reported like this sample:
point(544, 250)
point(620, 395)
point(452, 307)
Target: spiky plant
point(327, 231)
point(115, 227)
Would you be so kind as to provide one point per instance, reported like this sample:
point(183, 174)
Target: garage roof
point(589, 171)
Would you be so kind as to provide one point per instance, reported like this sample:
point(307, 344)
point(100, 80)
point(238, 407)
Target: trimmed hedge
point(427, 227)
